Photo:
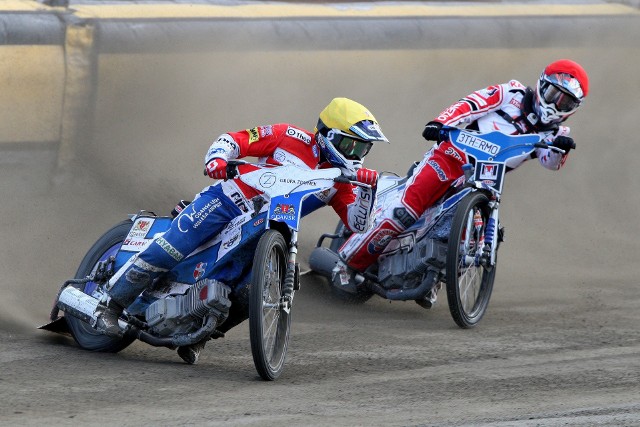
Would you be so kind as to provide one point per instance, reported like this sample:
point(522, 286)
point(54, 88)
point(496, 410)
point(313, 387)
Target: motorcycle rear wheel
point(269, 323)
point(469, 286)
point(87, 337)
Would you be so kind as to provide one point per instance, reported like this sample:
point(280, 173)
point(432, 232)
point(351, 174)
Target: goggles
point(554, 93)
point(350, 147)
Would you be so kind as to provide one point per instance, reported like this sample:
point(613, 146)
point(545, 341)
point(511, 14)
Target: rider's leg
point(428, 183)
point(205, 217)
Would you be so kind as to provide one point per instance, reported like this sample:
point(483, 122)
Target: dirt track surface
point(560, 344)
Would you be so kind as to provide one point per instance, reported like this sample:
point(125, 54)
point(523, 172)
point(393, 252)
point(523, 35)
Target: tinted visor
point(563, 100)
point(351, 148)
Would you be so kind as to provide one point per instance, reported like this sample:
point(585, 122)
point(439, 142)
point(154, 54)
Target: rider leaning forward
point(510, 108)
point(344, 135)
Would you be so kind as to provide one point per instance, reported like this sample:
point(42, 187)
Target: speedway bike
point(453, 244)
point(248, 271)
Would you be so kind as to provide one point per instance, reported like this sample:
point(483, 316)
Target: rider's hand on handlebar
point(367, 176)
point(564, 143)
point(217, 169)
point(431, 131)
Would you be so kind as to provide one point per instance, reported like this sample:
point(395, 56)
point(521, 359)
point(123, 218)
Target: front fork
point(291, 278)
point(486, 256)
point(491, 235)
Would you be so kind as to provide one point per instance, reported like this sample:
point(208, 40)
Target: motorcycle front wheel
point(469, 283)
point(269, 323)
point(106, 246)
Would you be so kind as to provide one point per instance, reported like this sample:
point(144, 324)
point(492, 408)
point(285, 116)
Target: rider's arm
point(354, 206)
point(477, 104)
point(260, 141)
point(552, 159)
point(225, 147)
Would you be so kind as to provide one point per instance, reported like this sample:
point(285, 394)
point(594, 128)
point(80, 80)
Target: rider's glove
point(431, 131)
point(367, 176)
point(564, 143)
point(217, 169)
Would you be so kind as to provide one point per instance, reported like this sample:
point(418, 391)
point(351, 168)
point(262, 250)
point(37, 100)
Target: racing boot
point(430, 299)
point(122, 290)
point(191, 353)
point(345, 278)
point(106, 319)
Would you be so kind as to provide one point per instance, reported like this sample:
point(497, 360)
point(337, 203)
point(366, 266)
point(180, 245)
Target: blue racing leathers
point(205, 217)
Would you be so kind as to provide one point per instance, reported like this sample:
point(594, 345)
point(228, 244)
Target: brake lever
point(553, 148)
point(344, 180)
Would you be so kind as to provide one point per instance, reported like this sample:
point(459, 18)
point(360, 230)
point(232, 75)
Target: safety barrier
point(97, 79)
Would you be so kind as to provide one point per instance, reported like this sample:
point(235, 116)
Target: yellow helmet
point(345, 132)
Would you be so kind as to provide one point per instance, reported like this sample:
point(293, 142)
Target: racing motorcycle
point(454, 243)
point(248, 271)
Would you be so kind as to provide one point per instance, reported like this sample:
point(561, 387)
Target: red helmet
point(560, 90)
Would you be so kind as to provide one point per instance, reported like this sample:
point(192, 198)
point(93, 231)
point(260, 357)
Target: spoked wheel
point(87, 337)
point(269, 322)
point(469, 277)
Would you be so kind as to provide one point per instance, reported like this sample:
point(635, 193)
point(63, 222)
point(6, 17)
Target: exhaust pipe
point(78, 304)
point(83, 306)
point(417, 293)
point(322, 260)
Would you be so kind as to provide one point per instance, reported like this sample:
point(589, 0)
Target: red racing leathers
point(495, 108)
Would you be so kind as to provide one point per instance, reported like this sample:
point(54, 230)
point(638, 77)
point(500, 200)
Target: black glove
point(431, 131)
point(564, 142)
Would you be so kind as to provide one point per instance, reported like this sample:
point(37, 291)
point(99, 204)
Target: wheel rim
point(272, 314)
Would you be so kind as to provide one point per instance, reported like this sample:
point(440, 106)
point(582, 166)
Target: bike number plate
point(491, 174)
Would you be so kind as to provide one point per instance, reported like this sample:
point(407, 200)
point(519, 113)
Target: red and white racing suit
point(495, 108)
point(283, 144)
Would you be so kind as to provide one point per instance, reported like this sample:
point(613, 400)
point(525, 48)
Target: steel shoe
point(106, 320)
point(191, 353)
point(430, 299)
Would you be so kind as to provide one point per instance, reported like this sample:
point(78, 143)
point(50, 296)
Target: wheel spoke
point(269, 323)
point(470, 287)
point(469, 278)
point(470, 275)
point(271, 306)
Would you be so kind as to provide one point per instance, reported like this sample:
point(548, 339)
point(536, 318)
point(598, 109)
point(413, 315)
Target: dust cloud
point(155, 115)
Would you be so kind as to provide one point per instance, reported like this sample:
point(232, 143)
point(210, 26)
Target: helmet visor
point(554, 91)
point(351, 148)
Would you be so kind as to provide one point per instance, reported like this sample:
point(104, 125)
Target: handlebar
point(232, 172)
point(345, 180)
point(342, 180)
point(445, 136)
point(554, 148)
point(232, 168)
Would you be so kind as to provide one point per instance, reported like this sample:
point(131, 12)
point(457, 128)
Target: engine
point(405, 267)
point(408, 257)
point(185, 312)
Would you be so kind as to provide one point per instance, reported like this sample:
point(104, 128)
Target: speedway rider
point(510, 108)
point(344, 134)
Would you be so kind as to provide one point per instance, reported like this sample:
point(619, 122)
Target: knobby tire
point(87, 337)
